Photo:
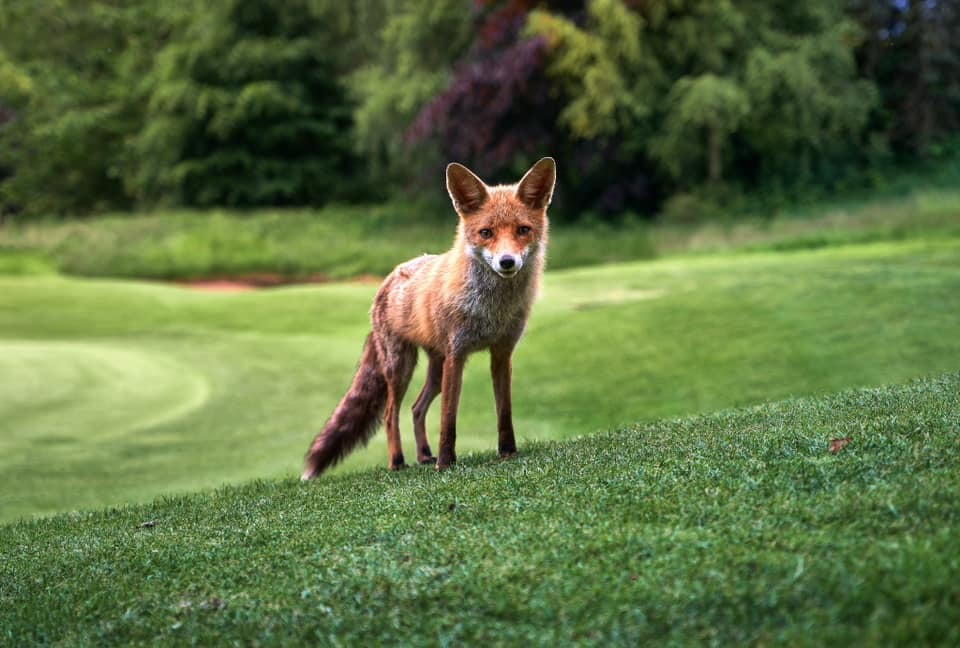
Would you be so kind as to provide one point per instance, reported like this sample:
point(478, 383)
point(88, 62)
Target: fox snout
point(505, 264)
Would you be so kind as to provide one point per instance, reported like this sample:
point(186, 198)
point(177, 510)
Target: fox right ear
point(467, 191)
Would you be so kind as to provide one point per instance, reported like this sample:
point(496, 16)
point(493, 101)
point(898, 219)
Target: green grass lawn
point(114, 392)
point(733, 528)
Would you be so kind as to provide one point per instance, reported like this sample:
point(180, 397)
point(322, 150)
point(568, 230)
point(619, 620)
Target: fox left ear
point(536, 187)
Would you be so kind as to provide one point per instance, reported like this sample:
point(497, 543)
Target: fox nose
point(507, 262)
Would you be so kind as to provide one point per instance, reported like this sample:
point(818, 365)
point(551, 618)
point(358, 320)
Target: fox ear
point(536, 187)
point(467, 191)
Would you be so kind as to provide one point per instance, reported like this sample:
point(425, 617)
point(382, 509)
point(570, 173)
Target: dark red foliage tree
point(499, 113)
point(498, 109)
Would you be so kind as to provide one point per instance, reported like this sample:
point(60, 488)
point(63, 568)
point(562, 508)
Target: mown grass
point(343, 242)
point(113, 392)
point(733, 528)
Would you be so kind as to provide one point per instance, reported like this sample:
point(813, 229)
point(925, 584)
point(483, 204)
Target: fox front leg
point(450, 399)
point(501, 368)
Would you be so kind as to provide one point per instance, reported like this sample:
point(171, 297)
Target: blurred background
point(757, 199)
point(686, 109)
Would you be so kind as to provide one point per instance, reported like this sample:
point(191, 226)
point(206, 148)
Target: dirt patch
point(218, 286)
point(248, 282)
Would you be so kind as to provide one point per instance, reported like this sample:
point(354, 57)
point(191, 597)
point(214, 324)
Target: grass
point(115, 391)
point(343, 242)
point(739, 527)
point(918, 214)
point(619, 523)
point(334, 243)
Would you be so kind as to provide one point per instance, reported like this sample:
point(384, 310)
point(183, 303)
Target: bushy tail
point(355, 419)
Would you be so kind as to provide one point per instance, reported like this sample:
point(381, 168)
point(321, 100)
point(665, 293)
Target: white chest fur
point(493, 308)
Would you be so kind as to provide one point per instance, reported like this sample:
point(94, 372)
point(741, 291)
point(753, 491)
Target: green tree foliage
point(697, 85)
point(68, 71)
point(696, 106)
point(604, 69)
point(15, 86)
point(912, 51)
point(108, 104)
point(246, 109)
point(417, 45)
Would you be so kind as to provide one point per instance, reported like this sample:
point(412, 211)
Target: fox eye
point(486, 233)
point(523, 230)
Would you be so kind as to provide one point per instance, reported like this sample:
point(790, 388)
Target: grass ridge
point(734, 527)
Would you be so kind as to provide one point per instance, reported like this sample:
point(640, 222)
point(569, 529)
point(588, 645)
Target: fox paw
point(424, 455)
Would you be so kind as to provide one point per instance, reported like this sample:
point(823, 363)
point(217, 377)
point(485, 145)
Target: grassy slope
point(738, 527)
point(114, 392)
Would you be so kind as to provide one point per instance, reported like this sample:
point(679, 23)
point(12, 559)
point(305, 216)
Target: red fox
point(476, 296)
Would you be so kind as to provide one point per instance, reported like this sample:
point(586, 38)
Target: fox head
point(505, 226)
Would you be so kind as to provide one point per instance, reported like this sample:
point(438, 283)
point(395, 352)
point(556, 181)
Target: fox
point(476, 296)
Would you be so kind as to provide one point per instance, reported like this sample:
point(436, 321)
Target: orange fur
point(476, 296)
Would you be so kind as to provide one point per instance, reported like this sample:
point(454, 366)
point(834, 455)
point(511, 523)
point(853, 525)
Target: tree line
point(130, 104)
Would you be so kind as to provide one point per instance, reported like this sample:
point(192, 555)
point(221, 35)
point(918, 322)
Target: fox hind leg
point(399, 361)
point(431, 387)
